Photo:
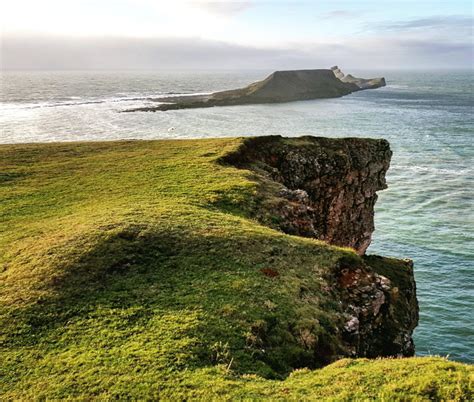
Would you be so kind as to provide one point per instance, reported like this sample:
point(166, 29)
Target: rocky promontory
point(278, 87)
point(362, 83)
point(325, 188)
point(206, 269)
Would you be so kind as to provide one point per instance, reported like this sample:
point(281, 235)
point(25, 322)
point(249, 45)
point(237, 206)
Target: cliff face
point(280, 86)
point(287, 86)
point(326, 189)
point(361, 83)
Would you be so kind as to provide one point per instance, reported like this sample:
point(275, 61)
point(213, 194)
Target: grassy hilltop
point(134, 270)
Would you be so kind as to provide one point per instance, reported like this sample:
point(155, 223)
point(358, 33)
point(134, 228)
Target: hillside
point(280, 86)
point(146, 269)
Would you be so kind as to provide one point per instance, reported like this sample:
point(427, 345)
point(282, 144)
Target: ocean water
point(426, 214)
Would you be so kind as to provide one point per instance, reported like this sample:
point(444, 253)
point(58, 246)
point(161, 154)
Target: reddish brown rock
point(327, 187)
point(380, 309)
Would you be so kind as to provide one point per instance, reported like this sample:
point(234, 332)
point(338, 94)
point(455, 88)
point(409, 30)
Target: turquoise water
point(426, 214)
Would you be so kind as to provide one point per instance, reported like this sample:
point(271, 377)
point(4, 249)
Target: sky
point(265, 34)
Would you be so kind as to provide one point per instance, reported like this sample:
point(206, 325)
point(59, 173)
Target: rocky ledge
point(280, 86)
point(326, 189)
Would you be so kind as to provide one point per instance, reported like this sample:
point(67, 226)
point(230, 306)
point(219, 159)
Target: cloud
point(50, 52)
point(453, 23)
point(342, 14)
point(227, 8)
point(54, 52)
point(131, 18)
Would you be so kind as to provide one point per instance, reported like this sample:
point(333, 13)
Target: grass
point(132, 270)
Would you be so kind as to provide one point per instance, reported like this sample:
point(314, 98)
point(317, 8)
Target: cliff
point(146, 269)
point(326, 189)
point(280, 86)
point(362, 83)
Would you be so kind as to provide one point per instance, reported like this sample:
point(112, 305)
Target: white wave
point(396, 86)
point(79, 101)
point(434, 170)
point(175, 95)
point(40, 105)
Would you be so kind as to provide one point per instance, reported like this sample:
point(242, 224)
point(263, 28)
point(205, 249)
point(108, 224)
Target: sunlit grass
point(132, 270)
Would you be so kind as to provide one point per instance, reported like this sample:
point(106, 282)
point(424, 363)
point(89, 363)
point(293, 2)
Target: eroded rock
point(327, 186)
point(380, 313)
point(326, 189)
point(362, 83)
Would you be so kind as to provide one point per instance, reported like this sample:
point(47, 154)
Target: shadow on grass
point(134, 274)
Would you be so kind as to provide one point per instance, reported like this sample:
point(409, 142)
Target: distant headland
point(280, 86)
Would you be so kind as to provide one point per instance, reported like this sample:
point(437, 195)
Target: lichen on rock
point(378, 296)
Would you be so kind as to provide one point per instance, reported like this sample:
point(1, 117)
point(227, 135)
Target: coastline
point(147, 246)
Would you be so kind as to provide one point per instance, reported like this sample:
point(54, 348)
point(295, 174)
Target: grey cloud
point(452, 22)
point(128, 53)
point(125, 53)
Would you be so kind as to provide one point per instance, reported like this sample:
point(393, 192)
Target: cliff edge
point(280, 86)
point(326, 189)
point(203, 268)
point(322, 187)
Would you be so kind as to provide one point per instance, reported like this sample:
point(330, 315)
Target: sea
point(426, 214)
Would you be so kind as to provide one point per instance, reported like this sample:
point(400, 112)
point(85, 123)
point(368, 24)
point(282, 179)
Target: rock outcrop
point(362, 83)
point(326, 189)
point(383, 300)
point(280, 86)
point(379, 304)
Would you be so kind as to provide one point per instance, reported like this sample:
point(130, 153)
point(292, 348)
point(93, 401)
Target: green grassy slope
point(131, 269)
